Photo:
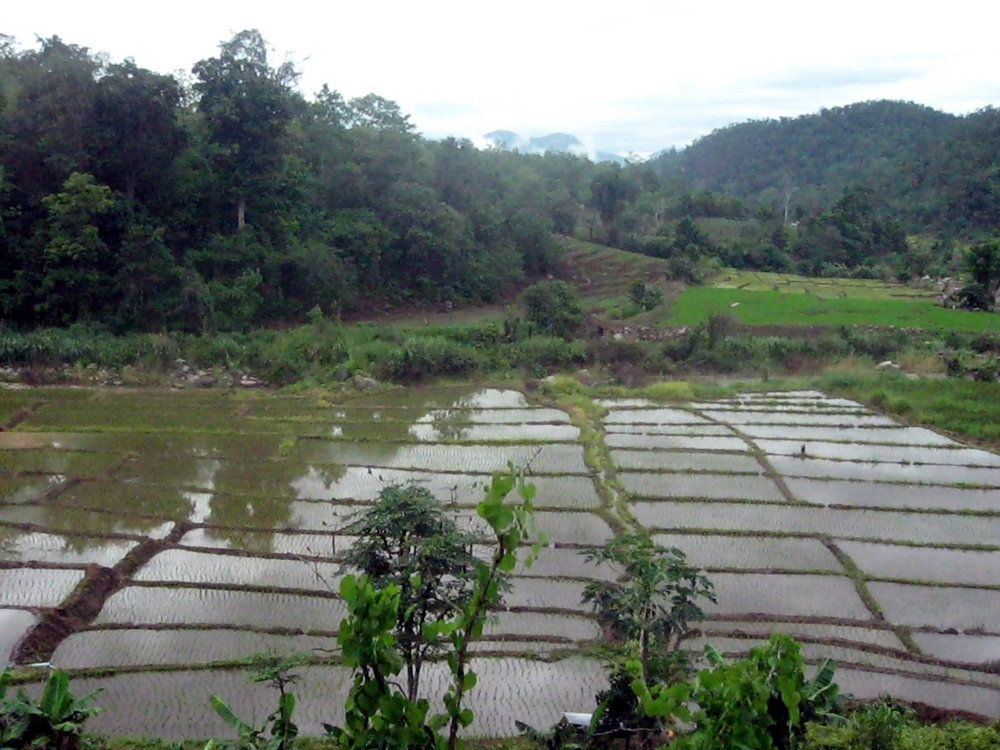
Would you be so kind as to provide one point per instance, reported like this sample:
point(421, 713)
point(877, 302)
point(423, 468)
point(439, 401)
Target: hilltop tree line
point(137, 200)
point(228, 199)
point(932, 171)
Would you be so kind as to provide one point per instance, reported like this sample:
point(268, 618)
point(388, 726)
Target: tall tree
point(76, 261)
point(136, 132)
point(246, 105)
point(48, 112)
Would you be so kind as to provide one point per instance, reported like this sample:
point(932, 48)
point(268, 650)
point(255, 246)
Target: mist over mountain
point(557, 142)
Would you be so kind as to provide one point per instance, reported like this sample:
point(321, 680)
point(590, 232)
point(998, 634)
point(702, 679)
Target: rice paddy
point(188, 530)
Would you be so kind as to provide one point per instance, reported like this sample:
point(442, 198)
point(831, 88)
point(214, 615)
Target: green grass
point(760, 281)
point(964, 408)
point(696, 304)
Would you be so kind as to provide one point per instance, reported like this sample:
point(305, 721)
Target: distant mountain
point(563, 143)
point(928, 168)
point(880, 144)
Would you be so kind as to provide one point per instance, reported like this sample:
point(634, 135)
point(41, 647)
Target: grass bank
point(963, 408)
point(759, 307)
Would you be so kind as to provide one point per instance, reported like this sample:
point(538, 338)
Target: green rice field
point(758, 298)
point(215, 516)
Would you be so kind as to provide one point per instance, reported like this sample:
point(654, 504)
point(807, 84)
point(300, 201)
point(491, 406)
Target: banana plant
point(56, 720)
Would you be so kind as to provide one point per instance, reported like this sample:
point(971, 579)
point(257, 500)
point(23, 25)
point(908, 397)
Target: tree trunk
point(241, 212)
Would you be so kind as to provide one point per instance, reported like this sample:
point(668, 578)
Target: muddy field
point(167, 534)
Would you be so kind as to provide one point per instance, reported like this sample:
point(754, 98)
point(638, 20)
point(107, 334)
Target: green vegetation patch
point(961, 407)
point(696, 304)
point(789, 283)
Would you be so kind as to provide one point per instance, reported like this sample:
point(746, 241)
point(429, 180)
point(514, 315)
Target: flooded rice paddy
point(169, 535)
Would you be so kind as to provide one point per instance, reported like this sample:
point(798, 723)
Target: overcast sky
point(622, 75)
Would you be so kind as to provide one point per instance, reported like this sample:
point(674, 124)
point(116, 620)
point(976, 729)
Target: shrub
point(418, 358)
point(645, 297)
point(549, 351)
point(672, 390)
point(552, 308)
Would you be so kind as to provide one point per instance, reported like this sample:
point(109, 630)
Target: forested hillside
point(135, 200)
point(230, 199)
point(932, 171)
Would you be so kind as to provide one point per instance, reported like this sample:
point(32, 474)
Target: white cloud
point(631, 75)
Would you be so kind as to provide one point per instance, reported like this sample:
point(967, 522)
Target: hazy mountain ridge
point(927, 166)
point(558, 142)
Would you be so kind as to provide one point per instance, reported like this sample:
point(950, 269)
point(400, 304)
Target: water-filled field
point(167, 535)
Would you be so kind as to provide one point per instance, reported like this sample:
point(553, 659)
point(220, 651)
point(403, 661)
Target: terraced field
point(165, 535)
point(774, 299)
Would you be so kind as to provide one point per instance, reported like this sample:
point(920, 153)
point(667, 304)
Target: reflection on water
point(238, 462)
point(56, 548)
point(13, 624)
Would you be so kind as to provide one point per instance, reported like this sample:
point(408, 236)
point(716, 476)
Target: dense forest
point(229, 200)
point(933, 171)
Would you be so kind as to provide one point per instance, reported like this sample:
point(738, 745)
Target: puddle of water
point(807, 396)
point(925, 563)
point(882, 472)
point(443, 397)
point(175, 705)
point(573, 528)
point(779, 407)
point(878, 435)
point(37, 587)
point(799, 630)
point(54, 548)
point(808, 420)
point(171, 469)
point(56, 519)
point(885, 495)
point(169, 605)
point(437, 431)
point(920, 528)
point(693, 431)
point(75, 463)
point(543, 625)
point(973, 649)
point(208, 567)
point(313, 545)
point(14, 623)
point(733, 463)
point(560, 562)
point(700, 486)
point(786, 594)
point(653, 416)
point(778, 400)
point(545, 594)
point(881, 453)
point(353, 421)
point(863, 684)
point(120, 416)
point(676, 442)
point(362, 485)
point(937, 606)
point(748, 552)
point(128, 648)
point(15, 490)
point(816, 652)
point(555, 458)
point(126, 497)
point(257, 447)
